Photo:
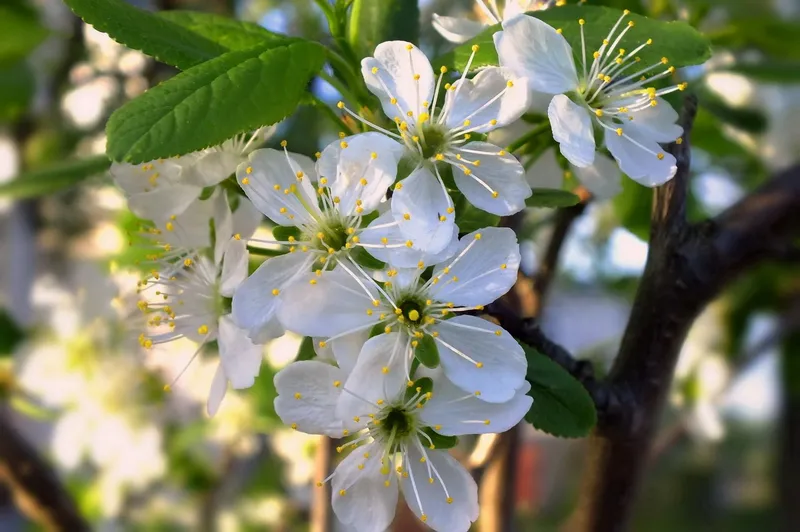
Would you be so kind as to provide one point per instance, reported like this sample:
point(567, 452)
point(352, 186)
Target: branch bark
point(36, 490)
point(687, 266)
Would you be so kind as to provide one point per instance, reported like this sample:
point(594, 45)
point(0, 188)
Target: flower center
point(433, 140)
point(331, 235)
point(397, 422)
point(412, 310)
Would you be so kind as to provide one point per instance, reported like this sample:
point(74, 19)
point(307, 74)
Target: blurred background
point(80, 401)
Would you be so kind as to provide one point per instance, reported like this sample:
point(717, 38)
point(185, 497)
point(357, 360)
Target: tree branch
point(35, 488)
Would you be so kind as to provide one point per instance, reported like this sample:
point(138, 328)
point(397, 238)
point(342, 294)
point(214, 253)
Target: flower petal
point(380, 374)
point(655, 123)
point(190, 229)
point(246, 218)
point(533, 49)
point(161, 203)
point(234, 266)
point(502, 360)
point(240, 357)
point(219, 386)
point(486, 271)
point(603, 178)
point(223, 224)
point(641, 165)
point(213, 166)
point(418, 206)
point(361, 499)
point(307, 397)
point(255, 302)
point(138, 178)
point(393, 251)
point(452, 481)
point(456, 30)
point(472, 101)
point(347, 348)
point(337, 303)
point(397, 64)
point(546, 172)
point(572, 129)
point(498, 185)
point(345, 168)
point(452, 415)
point(289, 203)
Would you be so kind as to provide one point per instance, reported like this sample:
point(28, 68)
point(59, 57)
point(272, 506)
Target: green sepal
point(427, 352)
point(283, 232)
point(439, 442)
point(365, 259)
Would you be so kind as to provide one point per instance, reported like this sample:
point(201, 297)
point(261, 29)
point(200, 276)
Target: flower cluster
point(370, 263)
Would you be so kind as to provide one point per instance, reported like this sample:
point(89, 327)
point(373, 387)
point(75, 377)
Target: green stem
point(346, 94)
point(529, 136)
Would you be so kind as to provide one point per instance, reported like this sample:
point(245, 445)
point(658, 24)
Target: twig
point(321, 516)
point(34, 486)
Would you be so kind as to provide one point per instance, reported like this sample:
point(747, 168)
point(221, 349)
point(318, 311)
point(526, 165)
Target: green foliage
point(421, 386)
point(427, 352)
point(372, 23)
point(632, 206)
point(229, 33)
point(470, 218)
point(20, 31)
point(207, 104)
point(10, 334)
point(768, 34)
point(306, 351)
point(54, 178)
point(746, 119)
point(283, 232)
point(156, 36)
point(561, 405)
point(678, 41)
point(770, 71)
point(17, 86)
point(552, 198)
point(437, 440)
point(364, 259)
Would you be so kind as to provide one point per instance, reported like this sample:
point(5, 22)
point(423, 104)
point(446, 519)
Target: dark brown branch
point(35, 488)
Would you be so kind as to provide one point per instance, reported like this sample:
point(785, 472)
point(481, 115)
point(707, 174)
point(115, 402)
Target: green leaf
point(746, 119)
point(769, 34)
point(372, 23)
point(439, 441)
point(378, 328)
point(283, 232)
point(306, 351)
point(154, 35)
point(20, 31)
point(207, 104)
point(229, 33)
point(470, 218)
point(422, 385)
point(363, 258)
point(54, 178)
point(552, 198)
point(561, 405)
point(10, 334)
point(678, 41)
point(632, 207)
point(17, 86)
point(427, 352)
point(770, 71)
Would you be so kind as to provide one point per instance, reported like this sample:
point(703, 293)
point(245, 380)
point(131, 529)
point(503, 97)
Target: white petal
point(190, 229)
point(546, 172)
point(254, 303)
point(452, 415)
point(655, 123)
point(219, 386)
point(345, 168)
point(456, 30)
point(240, 357)
point(533, 49)
point(272, 168)
point(307, 397)
point(135, 179)
point(402, 256)
point(518, 7)
point(641, 165)
point(423, 199)
point(234, 267)
point(368, 505)
point(572, 129)
point(397, 65)
point(334, 305)
point(273, 329)
point(471, 101)
point(461, 488)
point(603, 178)
point(380, 373)
point(504, 364)
point(502, 174)
point(223, 223)
point(480, 272)
point(246, 218)
point(347, 348)
point(213, 166)
point(161, 203)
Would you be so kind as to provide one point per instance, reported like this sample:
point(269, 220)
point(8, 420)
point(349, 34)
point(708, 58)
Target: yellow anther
point(509, 83)
point(407, 216)
point(475, 47)
point(167, 388)
point(442, 218)
point(312, 281)
point(294, 426)
point(560, 31)
point(423, 517)
point(679, 140)
point(409, 244)
point(466, 123)
point(664, 60)
point(187, 262)
point(298, 396)
point(342, 492)
point(374, 70)
point(413, 315)
point(449, 500)
point(660, 156)
point(284, 144)
point(356, 419)
point(498, 332)
point(275, 292)
point(416, 77)
point(479, 365)
point(495, 194)
point(379, 402)
point(398, 186)
point(170, 226)
point(619, 131)
point(477, 393)
point(394, 101)
point(581, 21)
point(478, 236)
point(486, 422)
point(599, 112)
point(596, 55)
point(343, 144)
point(203, 329)
point(387, 330)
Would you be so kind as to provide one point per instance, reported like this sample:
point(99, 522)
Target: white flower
point(605, 96)
point(490, 178)
point(328, 212)
point(477, 355)
point(162, 188)
point(394, 427)
point(602, 178)
point(459, 30)
point(189, 297)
